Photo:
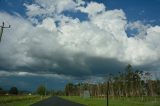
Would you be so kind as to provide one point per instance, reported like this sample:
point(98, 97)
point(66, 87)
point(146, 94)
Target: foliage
point(41, 90)
point(128, 83)
point(2, 92)
point(13, 90)
point(70, 89)
point(56, 93)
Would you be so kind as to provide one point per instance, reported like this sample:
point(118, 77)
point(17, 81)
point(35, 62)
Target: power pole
point(1, 30)
point(107, 93)
point(45, 88)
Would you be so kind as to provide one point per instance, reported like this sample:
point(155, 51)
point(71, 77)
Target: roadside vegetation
point(128, 83)
point(127, 88)
point(19, 100)
point(14, 97)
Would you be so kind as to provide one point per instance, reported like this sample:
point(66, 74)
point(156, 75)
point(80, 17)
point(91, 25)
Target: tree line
point(41, 90)
point(13, 91)
point(128, 83)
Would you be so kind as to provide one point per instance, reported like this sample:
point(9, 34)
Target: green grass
point(134, 101)
point(19, 100)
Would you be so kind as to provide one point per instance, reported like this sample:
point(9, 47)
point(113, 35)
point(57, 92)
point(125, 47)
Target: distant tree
point(41, 90)
point(13, 90)
point(69, 89)
point(2, 92)
point(158, 87)
point(128, 83)
point(60, 93)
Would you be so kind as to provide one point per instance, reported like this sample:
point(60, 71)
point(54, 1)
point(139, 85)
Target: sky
point(54, 42)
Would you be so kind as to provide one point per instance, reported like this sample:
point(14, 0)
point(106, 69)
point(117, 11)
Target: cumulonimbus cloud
point(64, 45)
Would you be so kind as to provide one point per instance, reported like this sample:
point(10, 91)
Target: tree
point(69, 89)
point(2, 92)
point(129, 83)
point(13, 90)
point(41, 90)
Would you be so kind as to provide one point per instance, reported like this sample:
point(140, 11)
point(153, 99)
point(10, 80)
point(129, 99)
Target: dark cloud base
point(80, 66)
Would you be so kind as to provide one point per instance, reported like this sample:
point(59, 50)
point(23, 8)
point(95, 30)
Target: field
point(19, 100)
point(134, 101)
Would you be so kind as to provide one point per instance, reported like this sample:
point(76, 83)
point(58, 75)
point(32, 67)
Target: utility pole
point(1, 30)
point(45, 84)
point(107, 93)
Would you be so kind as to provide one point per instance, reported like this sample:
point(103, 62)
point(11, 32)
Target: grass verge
point(19, 100)
point(132, 101)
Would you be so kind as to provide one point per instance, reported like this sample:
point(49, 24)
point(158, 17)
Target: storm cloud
point(47, 41)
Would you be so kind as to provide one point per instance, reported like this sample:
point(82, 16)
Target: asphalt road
point(56, 101)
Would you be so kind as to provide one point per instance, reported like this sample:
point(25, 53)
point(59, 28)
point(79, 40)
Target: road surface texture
point(56, 101)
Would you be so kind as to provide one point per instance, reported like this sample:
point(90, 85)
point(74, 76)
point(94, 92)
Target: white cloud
point(92, 8)
point(138, 52)
point(34, 9)
point(51, 7)
point(153, 36)
point(13, 48)
point(25, 74)
point(112, 21)
point(48, 24)
point(6, 74)
point(139, 27)
point(50, 48)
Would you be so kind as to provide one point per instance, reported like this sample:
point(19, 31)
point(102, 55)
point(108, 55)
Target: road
point(56, 101)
